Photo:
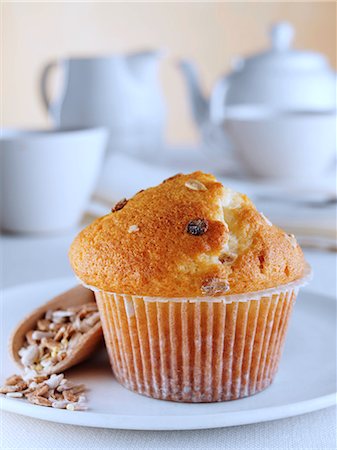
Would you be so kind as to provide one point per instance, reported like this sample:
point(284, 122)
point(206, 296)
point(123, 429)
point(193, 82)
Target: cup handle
point(53, 107)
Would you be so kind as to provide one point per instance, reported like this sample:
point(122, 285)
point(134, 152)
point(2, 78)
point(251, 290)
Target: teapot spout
point(199, 104)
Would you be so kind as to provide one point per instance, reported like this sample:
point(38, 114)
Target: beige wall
point(209, 33)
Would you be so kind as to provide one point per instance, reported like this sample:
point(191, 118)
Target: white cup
point(283, 145)
point(47, 177)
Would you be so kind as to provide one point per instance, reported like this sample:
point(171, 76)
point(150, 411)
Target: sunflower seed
point(49, 314)
point(70, 396)
point(54, 381)
point(14, 379)
point(30, 355)
point(93, 319)
point(46, 363)
point(78, 389)
point(21, 385)
point(7, 389)
point(65, 386)
point(215, 286)
point(76, 407)
point(59, 334)
point(84, 326)
point(74, 340)
point(29, 337)
point(36, 400)
point(22, 351)
point(29, 374)
point(40, 378)
point(60, 404)
point(77, 324)
point(41, 391)
point(55, 326)
point(43, 324)
point(195, 185)
point(61, 356)
point(60, 314)
point(14, 394)
point(38, 335)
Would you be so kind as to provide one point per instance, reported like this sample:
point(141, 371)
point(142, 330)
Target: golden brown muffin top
point(189, 236)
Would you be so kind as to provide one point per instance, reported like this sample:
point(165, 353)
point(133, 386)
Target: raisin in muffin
point(195, 288)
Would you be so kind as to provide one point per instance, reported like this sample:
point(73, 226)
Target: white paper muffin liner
point(197, 349)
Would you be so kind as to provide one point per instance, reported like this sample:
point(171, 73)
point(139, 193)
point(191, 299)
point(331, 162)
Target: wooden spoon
point(87, 343)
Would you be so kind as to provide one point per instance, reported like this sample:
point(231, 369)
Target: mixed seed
point(46, 390)
point(56, 335)
point(53, 339)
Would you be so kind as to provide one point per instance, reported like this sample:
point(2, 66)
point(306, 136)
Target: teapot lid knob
point(282, 34)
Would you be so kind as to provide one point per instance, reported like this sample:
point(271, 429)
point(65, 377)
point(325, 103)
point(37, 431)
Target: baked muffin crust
point(187, 237)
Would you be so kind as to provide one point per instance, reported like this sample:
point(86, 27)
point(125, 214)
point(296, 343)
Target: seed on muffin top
point(189, 236)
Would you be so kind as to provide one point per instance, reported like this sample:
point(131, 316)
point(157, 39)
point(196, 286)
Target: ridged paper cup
point(197, 349)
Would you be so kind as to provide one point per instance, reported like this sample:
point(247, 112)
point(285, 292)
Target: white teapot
point(120, 92)
point(280, 78)
point(281, 85)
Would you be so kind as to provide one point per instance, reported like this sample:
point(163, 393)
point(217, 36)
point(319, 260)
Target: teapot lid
point(282, 56)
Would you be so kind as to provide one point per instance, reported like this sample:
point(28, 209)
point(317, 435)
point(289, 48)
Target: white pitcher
point(120, 92)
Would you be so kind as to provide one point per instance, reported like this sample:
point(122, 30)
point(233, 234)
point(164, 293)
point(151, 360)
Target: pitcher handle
point(53, 107)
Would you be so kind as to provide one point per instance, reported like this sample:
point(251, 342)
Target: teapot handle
point(53, 107)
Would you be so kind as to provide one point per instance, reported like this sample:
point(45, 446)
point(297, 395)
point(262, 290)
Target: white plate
point(306, 380)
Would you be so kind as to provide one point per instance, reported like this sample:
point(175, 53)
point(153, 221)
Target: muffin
point(195, 289)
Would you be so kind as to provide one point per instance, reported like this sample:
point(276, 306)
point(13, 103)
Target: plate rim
point(153, 422)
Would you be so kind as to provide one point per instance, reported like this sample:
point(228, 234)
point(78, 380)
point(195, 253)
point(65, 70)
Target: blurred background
point(211, 34)
point(100, 100)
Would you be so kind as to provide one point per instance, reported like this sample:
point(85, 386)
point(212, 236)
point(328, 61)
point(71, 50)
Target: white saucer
point(306, 380)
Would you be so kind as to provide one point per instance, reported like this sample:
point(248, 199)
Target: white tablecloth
point(34, 259)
